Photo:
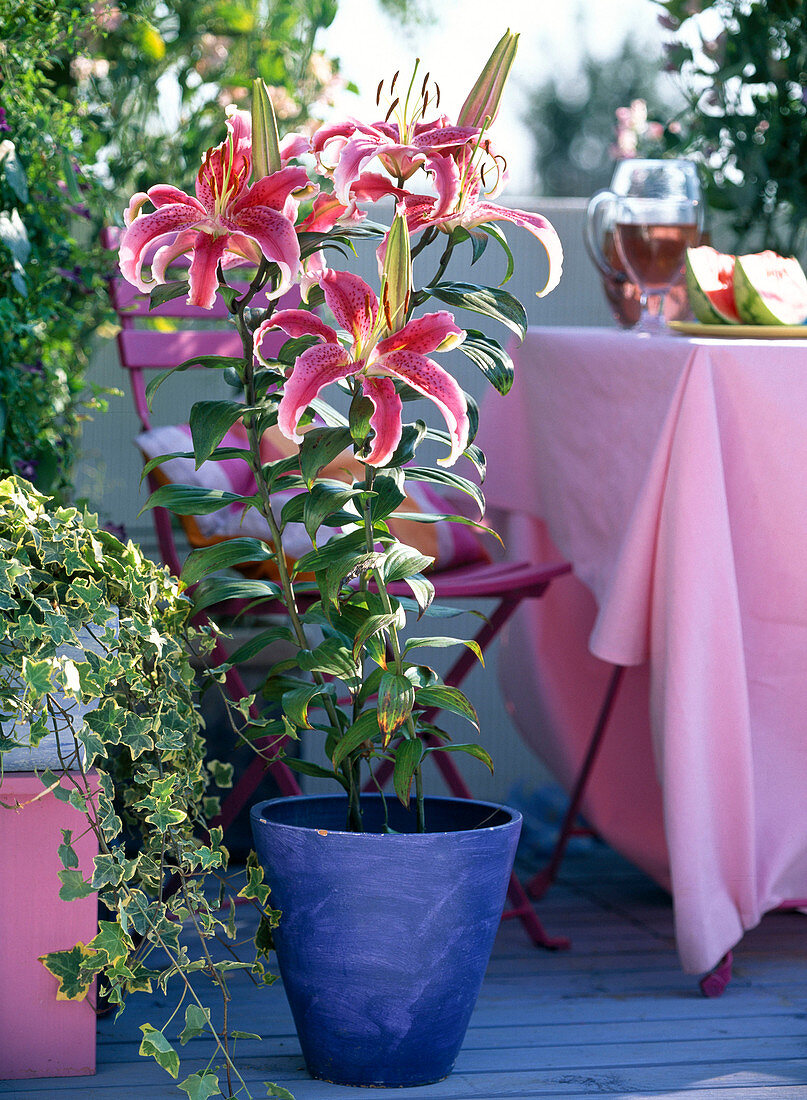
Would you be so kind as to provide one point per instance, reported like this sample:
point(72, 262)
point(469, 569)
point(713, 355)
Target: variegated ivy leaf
point(75, 970)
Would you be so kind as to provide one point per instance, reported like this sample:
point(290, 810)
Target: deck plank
point(613, 1016)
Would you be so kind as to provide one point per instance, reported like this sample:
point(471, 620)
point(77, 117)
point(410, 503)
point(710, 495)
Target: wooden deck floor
point(613, 1016)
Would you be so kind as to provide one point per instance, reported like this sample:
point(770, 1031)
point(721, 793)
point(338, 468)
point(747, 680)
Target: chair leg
point(713, 983)
point(540, 883)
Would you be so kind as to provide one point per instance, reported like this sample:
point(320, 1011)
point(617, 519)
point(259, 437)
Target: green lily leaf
point(493, 231)
point(296, 703)
point(166, 292)
point(396, 697)
point(452, 699)
point(439, 476)
point(214, 362)
point(319, 447)
point(403, 561)
point(221, 589)
point(422, 589)
point(471, 750)
point(408, 756)
point(191, 500)
point(211, 559)
point(305, 767)
point(365, 728)
point(491, 358)
point(490, 301)
point(209, 423)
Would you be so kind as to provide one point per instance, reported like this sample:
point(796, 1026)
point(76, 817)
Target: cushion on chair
point(450, 544)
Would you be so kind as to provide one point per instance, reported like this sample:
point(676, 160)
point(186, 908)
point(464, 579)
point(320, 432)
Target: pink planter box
point(39, 1035)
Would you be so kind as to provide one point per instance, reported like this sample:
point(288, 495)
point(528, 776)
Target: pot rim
point(256, 814)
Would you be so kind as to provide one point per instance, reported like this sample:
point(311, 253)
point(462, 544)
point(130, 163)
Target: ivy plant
point(134, 767)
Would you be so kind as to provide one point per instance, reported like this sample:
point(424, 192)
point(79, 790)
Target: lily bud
point(265, 140)
point(483, 100)
point(397, 275)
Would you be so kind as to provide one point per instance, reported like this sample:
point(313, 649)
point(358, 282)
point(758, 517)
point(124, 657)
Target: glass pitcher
point(623, 294)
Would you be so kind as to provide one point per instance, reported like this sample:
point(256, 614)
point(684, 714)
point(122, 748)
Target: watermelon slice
point(710, 285)
point(770, 290)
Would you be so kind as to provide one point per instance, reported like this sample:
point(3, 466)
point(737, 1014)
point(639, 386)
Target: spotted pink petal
point(446, 176)
point(352, 302)
point(147, 230)
point(271, 191)
point(444, 137)
point(325, 213)
point(371, 186)
point(164, 194)
point(241, 249)
point(294, 322)
point(423, 334)
point(316, 368)
point(165, 256)
point(276, 238)
point(202, 274)
point(356, 153)
point(333, 131)
point(386, 419)
point(430, 380)
point(539, 227)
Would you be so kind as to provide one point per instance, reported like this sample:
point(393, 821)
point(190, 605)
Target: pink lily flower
point(227, 222)
point(472, 209)
point(377, 362)
point(345, 150)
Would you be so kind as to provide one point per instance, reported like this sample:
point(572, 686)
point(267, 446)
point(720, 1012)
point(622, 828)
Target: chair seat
point(494, 579)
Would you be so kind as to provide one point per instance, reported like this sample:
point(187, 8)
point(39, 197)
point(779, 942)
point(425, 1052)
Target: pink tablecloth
point(672, 472)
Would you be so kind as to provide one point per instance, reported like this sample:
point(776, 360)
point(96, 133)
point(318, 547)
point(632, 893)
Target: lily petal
point(148, 229)
point(352, 302)
point(356, 153)
point(272, 191)
point(294, 322)
point(537, 225)
point(165, 256)
point(430, 380)
point(314, 369)
point(424, 334)
point(294, 145)
point(165, 194)
point(277, 240)
point(136, 203)
point(385, 421)
point(446, 176)
point(202, 274)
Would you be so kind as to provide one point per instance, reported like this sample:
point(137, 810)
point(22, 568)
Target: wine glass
point(659, 214)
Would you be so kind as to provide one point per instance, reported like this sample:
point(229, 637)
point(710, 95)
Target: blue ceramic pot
point(384, 937)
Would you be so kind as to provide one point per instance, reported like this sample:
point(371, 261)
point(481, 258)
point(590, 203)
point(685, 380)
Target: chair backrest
point(143, 347)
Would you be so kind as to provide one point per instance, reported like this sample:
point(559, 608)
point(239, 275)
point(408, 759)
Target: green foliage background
point(746, 119)
point(99, 100)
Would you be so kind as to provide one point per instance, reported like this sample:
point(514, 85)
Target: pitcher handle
point(592, 234)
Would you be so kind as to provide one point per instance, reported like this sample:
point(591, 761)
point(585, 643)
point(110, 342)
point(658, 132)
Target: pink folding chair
point(508, 584)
